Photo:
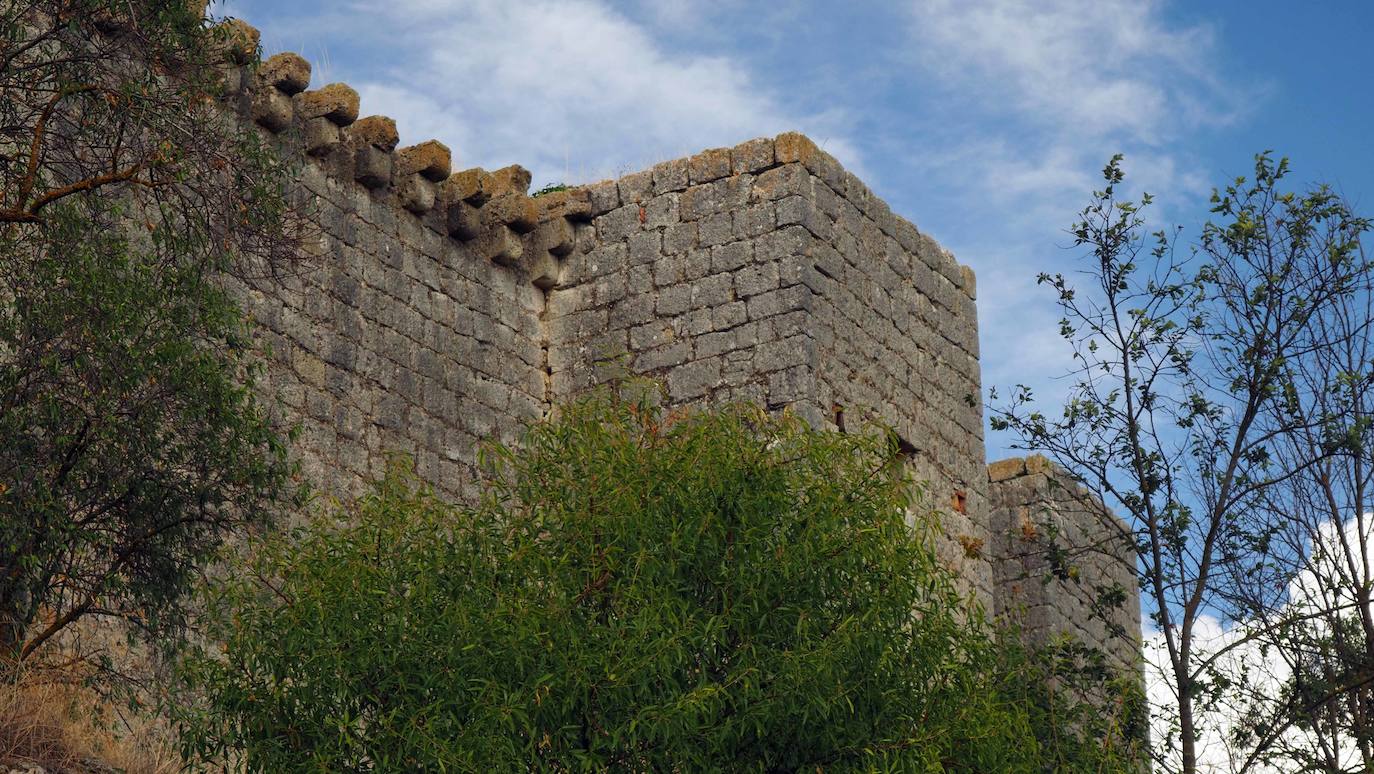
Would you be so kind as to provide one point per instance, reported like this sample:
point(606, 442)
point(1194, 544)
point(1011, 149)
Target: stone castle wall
point(440, 309)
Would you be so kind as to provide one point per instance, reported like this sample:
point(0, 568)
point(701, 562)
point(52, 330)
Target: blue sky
point(984, 122)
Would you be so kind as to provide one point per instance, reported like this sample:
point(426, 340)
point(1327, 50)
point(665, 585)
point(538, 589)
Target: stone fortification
point(443, 308)
point(1063, 565)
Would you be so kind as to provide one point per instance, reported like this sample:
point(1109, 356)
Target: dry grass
point(66, 728)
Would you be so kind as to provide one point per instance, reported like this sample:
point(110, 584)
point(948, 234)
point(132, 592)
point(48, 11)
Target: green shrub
point(637, 591)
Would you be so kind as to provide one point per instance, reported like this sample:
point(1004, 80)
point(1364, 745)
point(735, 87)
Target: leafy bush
point(637, 591)
point(132, 438)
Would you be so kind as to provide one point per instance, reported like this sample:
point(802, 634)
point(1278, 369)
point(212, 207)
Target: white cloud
point(1051, 88)
point(1031, 97)
point(1092, 67)
point(1258, 671)
point(575, 90)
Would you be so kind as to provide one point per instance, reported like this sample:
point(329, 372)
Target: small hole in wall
point(837, 412)
point(960, 501)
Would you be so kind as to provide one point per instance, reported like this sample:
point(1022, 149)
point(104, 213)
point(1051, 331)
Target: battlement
point(443, 308)
point(492, 212)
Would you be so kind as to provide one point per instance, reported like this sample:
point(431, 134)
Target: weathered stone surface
point(286, 72)
point(1005, 469)
point(321, 136)
point(513, 209)
point(416, 194)
point(376, 131)
point(970, 282)
point(464, 220)
point(337, 102)
point(474, 186)
point(795, 147)
point(429, 159)
point(709, 165)
point(372, 166)
point(636, 188)
point(1056, 552)
point(604, 197)
point(511, 179)
point(500, 245)
point(573, 204)
point(555, 236)
point(752, 156)
point(271, 109)
point(670, 176)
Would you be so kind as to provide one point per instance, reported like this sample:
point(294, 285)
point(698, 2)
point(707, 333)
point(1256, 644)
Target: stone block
point(271, 109)
point(287, 72)
point(732, 256)
point(679, 238)
point(499, 244)
point(670, 176)
point(375, 131)
point(785, 180)
point(514, 210)
point(618, 224)
point(755, 220)
point(668, 356)
point(555, 237)
point(1038, 463)
point(790, 385)
point(729, 315)
point(464, 220)
point(636, 188)
point(660, 211)
point(1003, 470)
point(756, 278)
point(416, 194)
point(645, 247)
point(708, 165)
point(321, 136)
point(752, 156)
point(715, 230)
point(372, 167)
point(573, 204)
point(511, 179)
point(429, 159)
point(674, 300)
point(784, 245)
point(715, 290)
point(970, 282)
point(801, 211)
point(796, 147)
point(796, 297)
point(474, 186)
point(695, 379)
point(603, 197)
point(700, 201)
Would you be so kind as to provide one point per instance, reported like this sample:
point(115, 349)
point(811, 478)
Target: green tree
point(637, 591)
point(1219, 402)
point(131, 440)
